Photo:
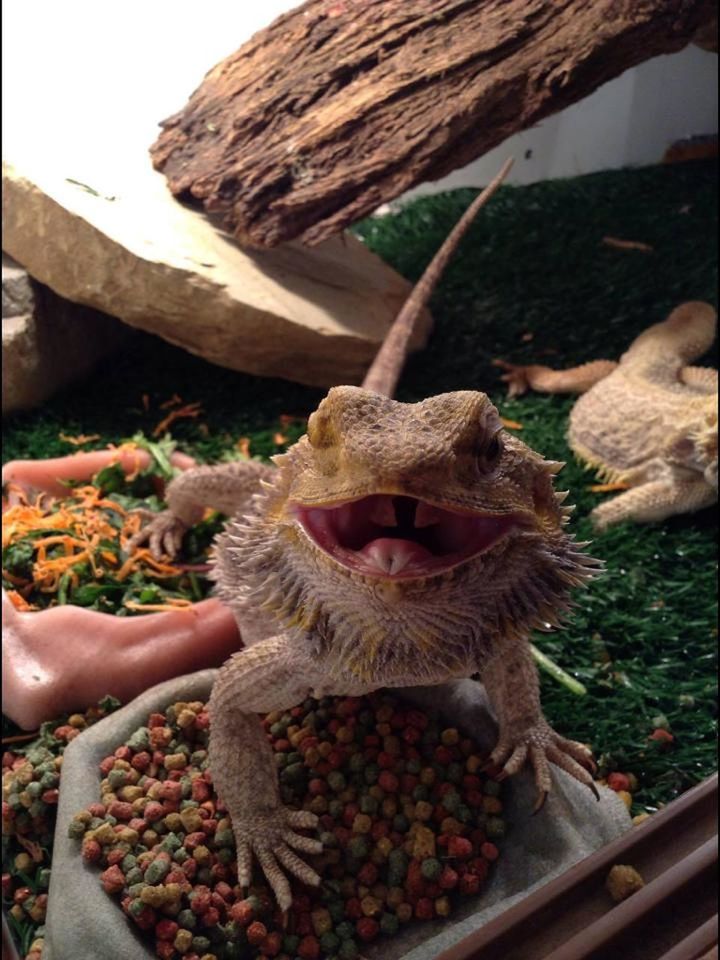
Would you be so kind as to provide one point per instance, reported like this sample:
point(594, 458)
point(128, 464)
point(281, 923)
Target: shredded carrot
point(19, 602)
point(243, 446)
point(511, 424)
point(11, 578)
point(190, 410)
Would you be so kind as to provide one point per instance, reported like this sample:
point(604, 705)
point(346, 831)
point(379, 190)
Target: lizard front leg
point(259, 679)
point(226, 487)
point(535, 376)
point(525, 736)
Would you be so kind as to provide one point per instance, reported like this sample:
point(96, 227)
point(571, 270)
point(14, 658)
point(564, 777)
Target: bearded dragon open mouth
point(398, 537)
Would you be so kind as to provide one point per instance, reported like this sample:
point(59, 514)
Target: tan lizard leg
point(520, 378)
point(227, 487)
point(511, 681)
point(652, 501)
point(257, 680)
point(702, 379)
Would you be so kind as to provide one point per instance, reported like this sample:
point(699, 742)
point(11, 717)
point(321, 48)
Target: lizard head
point(398, 536)
point(406, 491)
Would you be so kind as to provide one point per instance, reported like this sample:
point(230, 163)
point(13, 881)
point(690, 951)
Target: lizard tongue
point(392, 556)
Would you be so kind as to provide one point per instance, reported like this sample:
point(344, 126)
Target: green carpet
point(532, 281)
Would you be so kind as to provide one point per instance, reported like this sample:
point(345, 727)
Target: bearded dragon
point(648, 421)
point(394, 544)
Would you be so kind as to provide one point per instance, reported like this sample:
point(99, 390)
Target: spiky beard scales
point(395, 633)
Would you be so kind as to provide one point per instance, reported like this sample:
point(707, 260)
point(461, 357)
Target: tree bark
point(339, 106)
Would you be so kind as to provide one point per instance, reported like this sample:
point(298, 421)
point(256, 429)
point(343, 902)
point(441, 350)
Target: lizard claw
point(541, 746)
point(515, 377)
point(273, 844)
point(163, 534)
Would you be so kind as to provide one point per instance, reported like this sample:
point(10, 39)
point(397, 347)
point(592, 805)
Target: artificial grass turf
point(532, 281)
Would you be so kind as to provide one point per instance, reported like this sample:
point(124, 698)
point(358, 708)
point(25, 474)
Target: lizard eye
point(491, 453)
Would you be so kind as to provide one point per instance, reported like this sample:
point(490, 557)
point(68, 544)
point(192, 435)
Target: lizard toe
point(275, 877)
point(302, 818)
point(516, 761)
point(572, 767)
point(304, 844)
point(297, 866)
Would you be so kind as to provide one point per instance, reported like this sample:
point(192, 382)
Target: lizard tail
point(385, 370)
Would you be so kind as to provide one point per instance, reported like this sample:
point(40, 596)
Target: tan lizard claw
point(515, 376)
point(163, 534)
point(271, 838)
point(541, 746)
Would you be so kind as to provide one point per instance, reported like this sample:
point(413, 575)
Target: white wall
point(86, 82)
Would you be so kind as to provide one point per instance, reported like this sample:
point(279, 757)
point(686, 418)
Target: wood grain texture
point(339, 106)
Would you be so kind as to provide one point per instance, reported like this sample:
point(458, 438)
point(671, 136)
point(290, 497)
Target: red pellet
point(353, 909)
point(146, 918)
point(112, 879)
point(256, 933)
point(91, 851)
point(309, 947)
point(470, 883)
point(171, 790)
point(489, 851)
point(368, 874)
point(367, 928)
point(448, 879)
point(165, 950)
point(202, 720)
point(424, 909)
point(120, 810)
point(241, 912)
point(200, 790)
point(211, 917)
point(618, 781)
point(411, 734)
point(459, 847)
point(141, 761)
point(272, 944)
point(388, 782)
point(166, 929)
point(200, 901)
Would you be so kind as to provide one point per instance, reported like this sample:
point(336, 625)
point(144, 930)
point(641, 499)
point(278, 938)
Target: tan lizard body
point(648, 421)
point(394, 544)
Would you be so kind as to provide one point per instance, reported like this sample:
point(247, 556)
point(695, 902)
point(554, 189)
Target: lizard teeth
point(426, 515)
point(383, 512)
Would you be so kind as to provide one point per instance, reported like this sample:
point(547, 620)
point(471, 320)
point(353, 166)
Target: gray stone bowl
point(84, 923)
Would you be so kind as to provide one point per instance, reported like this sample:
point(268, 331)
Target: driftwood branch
point(339, 106)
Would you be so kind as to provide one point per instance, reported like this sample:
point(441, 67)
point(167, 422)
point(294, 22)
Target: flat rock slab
point(126, 247)
point(82, 921)
point(47, 341)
